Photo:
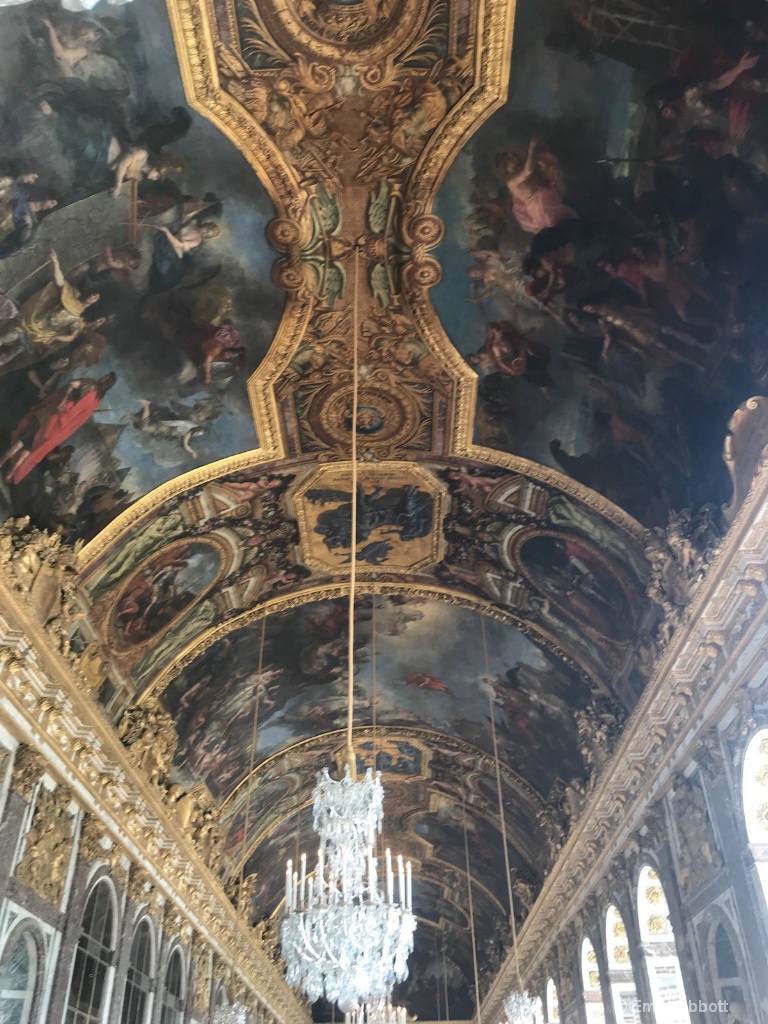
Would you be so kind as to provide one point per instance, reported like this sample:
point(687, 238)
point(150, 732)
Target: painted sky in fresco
point(417, 683)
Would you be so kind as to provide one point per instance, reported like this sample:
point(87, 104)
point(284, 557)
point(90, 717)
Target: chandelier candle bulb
point(288, 869)
point(294, 889)
point(390, 879)
point(303, 878)
point(372, 887)
point(401, 878)
point(409, 887)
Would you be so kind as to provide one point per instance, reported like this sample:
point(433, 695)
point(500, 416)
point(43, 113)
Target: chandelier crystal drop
point(380, 1011)
point(343, 936)
point(519, 1008)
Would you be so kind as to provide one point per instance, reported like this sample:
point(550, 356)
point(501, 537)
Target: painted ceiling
point(543, 229)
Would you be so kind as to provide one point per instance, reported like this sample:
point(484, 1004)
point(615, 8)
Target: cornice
point(44, 707)
point(715, 651)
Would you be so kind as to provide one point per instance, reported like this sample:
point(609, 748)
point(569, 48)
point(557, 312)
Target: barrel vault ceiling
point(298, 174)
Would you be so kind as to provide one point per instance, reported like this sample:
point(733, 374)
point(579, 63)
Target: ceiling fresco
point(554, 294)
point(134, 269)
point(564, 574)
point(413, 681)
point(604, 251)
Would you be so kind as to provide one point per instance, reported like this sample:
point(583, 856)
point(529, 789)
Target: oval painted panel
point(158, 593)
point(579, 581)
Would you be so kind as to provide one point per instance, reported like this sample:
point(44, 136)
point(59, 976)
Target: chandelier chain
point(353, 524)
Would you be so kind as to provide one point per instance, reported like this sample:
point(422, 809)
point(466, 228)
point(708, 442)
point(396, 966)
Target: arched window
point(590, 974)
point(88, 995)
point(138, 983)
point(553, 1004)
point(620, 976)
point(660, 951)
point(173, 991)
point(754, 789)
point(221, 998)
point(18, 978)
point(729, 985)
point(538, 1012)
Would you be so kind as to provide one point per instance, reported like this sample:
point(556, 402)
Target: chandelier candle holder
point(519, 1008)
point(379, 1012)
point(343, 935)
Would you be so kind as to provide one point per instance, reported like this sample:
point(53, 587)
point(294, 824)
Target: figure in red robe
point(426, 681)
point(51, 422)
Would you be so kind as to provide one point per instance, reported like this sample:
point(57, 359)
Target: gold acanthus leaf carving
point(48, 845)
point(28, 768)
point(202, 956)
point(148, 733)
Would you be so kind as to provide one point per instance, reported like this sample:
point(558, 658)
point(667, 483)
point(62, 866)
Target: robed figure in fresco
point(50, 318)
point(51, 422)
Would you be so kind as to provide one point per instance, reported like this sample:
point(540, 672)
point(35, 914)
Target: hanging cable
point(353, 524)
point(445, 983)
point(254, 741)
point(437, 981)
point(502, 815)
point(471, 914)
point(373, 683)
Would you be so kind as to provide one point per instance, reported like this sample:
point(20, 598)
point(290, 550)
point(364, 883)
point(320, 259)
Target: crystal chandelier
point(343, 936)
point(232, 1013)
point(379, 1012)
point(519, 1008)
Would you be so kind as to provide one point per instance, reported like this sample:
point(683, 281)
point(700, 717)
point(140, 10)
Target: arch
point(174, 990)
point(590, 980)
point(754, 795)
point(726, 970)
point(93, 969)
point(20, 969)
point(137, 996)
point(660, 950)
point(221, 998)
point(621, 978)
point(538, 1012)
point(553, 1003)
